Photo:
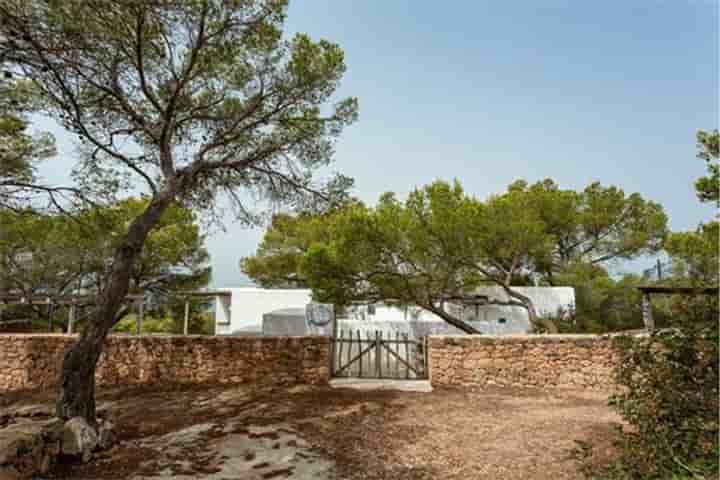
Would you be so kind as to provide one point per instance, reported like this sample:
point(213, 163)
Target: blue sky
point(491, 91)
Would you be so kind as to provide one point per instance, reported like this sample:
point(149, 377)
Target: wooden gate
point(375, 356)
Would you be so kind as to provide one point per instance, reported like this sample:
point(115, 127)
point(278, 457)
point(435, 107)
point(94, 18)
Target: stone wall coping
point(560, 336)
point(521, 339)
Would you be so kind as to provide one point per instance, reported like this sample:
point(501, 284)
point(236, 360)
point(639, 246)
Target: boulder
point(28, 447)
point(106, 435)
point(79, 439)
point(17, 438)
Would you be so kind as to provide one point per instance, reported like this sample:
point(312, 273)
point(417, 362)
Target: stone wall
point(572, 361)
point(564, 361)
point(33, 361)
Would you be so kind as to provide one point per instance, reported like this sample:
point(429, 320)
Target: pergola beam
point(649, 290)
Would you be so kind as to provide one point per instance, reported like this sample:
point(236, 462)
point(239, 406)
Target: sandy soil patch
point(239, 432)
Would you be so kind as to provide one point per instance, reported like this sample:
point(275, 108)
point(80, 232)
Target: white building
point(242, 312)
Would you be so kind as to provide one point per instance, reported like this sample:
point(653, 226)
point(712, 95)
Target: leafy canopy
point(441, 243)
point(596, 225)
point(695, 254)
point(708, 187)
point(277, 261)
point(189, 98)
point(57, 255)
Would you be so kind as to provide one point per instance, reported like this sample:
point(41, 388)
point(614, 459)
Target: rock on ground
point(79, 439)
point(28, 447)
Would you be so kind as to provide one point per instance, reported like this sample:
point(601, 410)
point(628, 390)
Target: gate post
point(378, 351)
point(426, 356)
point(647, 313)
point(333, 344)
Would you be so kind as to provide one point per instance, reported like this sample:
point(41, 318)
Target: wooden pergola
point(75, 301)
point(648, 291)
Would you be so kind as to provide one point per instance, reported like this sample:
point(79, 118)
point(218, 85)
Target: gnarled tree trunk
point(528, 304)
point(76, 397)
point(455, 322)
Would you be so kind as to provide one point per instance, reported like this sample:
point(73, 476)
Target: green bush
point(201, 323)
point(670, 398)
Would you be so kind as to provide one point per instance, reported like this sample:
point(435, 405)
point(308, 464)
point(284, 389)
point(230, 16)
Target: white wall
point(247, 306)
point(492, 319)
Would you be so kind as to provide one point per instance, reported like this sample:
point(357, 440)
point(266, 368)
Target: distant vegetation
point(200, 323)
point(60, 255)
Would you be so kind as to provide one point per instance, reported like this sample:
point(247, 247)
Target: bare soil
point(207, 432)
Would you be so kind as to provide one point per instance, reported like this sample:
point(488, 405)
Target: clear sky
point(491, 91)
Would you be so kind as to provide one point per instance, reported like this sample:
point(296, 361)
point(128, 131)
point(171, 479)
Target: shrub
point(670, 398)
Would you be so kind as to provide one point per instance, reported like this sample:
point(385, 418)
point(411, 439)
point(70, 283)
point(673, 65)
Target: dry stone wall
point(546, 361)
point(33, 361)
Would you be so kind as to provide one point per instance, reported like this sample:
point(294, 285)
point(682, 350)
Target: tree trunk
point(455, 322)
point(76, 397)
point(532, 313)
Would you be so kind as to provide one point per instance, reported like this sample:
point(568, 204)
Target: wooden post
point(426, 359)
point(139, 319)
point(187, 317)
point(407, 355)
point(387, 353)
point(71, 318)
point(349, 355)
point(360, 350)
point(333, 344)
point(378, 353)
point(50, 309)
point(371, 360)
point(397, 345)
point(339, 351)
point(647, 313)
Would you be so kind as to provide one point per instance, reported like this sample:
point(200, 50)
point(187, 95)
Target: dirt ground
point(239, 432)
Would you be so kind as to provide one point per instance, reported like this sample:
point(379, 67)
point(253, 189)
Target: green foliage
point(708, 187)
point(670, 397)
point(209, 95)
point(173, 257)
point(20, 150)
point(200, 322)
point(671, 392)
point(596, 225)
point(439, 244)
point(442, 243)
point(57, 255)
point(602, 304)
point(277, 261)
point(695, 255)
point(418, 252)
